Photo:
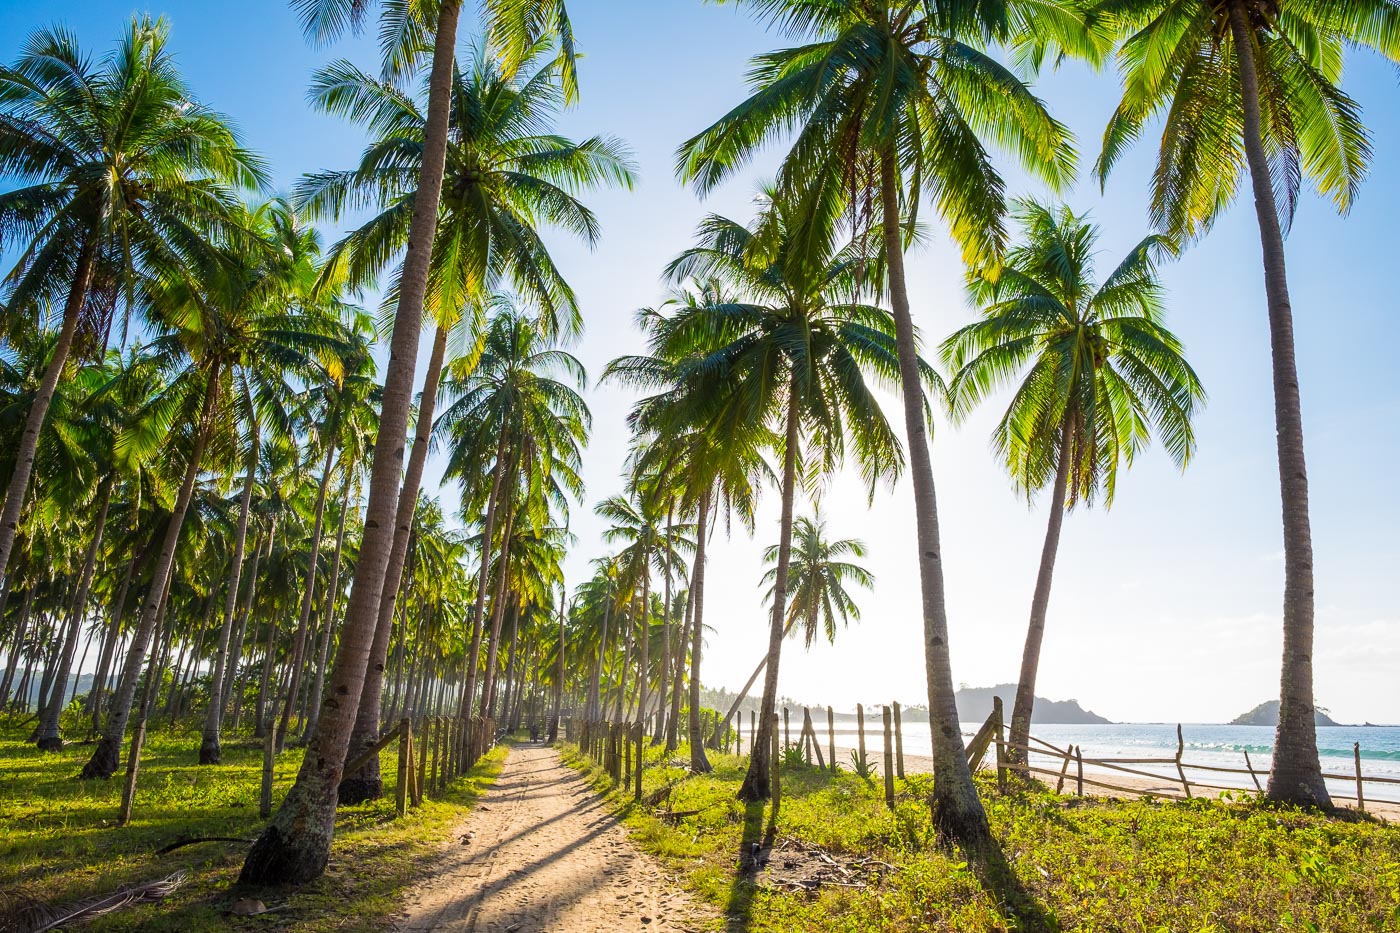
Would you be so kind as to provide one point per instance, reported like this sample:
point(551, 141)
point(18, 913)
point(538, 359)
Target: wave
point(1256, 749)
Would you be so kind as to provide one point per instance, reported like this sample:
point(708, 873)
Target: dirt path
point(542, 853)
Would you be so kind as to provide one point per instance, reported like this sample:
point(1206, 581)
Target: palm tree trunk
point(553, 735)
point(112, 641)
point(366, 783)
point(699, 762)
point(644, 633)
point(665, 636)
point(235, 655)
point(958, 812)
point(106, 757)
point(722, 727)
point(483, 582)
point(328, 613)
point(1035, 631)
point(296, 845)
point(39, 410)
point(307, 599)
point(677, 679)
point(49, 739)
point(626, 625)
point(210, 747)
point(498, 608)
point(1296, 773)
point(595, 708)
point(758, 781)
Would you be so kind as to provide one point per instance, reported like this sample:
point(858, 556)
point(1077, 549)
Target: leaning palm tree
point(819, 575)
point(892, 99)
point(120, 173)
point(1279, 112)
point(1095, 375)
point(296, 844)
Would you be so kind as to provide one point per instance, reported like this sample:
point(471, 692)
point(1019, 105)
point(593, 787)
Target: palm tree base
point(280, 858)
point(359, 789)
point(211, 753)
point(105, 760)
point(756, 784)
point(50, 743)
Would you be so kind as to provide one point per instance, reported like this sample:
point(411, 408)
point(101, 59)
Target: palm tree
point(793, 350)
point(1095, 373)
point(514, 421)
point(1279, 112)
point(238, 314)
point(891, 99)
point(818, 576)
point(507, 175)
point(120, 172)
point(296, 844)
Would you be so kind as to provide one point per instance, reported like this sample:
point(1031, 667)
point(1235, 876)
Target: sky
point(1166, 607)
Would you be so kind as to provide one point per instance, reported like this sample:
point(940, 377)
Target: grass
point(1062, 863)
point(59, 840)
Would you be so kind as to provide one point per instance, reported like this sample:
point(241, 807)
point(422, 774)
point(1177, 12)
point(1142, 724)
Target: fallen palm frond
point(20, 913)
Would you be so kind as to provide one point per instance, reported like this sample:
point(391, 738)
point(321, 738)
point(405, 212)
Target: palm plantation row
point(194, 377)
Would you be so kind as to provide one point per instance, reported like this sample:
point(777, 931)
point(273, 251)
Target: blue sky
point(1165, 608)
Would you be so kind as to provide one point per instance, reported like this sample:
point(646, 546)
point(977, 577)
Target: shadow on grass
point(757, 837)
point(999, 879)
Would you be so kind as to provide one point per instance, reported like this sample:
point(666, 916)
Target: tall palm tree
point(891, 99)
point(1095, 375)
point(793, 351)
point(507, 176)
point(120, 172)
point(296, 844)
point(236, 314)
point(1279, 112)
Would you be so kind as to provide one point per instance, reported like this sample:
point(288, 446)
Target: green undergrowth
point(59, 841)
point(1058, 863)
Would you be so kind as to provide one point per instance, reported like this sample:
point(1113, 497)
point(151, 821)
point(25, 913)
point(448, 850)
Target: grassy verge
point(59, 840)
point(1062, 863)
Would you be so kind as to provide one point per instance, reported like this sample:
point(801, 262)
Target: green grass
point(59, 840)
point(1062, 863)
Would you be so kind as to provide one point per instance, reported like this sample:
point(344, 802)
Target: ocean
point(1220, 746)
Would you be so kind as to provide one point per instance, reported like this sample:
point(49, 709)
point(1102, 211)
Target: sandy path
point(545, 854)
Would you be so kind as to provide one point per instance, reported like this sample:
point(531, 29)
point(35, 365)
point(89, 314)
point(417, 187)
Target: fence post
point(1253, 776)
point(898, 743)
point(831, 735)
point(787, 735)
point(401, 792)
point(1079, 757)
point(641, 735)
point(889, 759)
point(860, 732)
point(1064, 769)
point(776, 767)
point(424, 743)
point(1360, 794)
point(265, 800)
point(999, 712)
point(1180, 771)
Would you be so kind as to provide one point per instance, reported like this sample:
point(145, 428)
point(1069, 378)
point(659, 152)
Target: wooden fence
point(989, 747)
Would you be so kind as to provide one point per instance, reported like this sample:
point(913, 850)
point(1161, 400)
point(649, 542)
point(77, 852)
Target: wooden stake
point(265, 799)
point(1360, 794)
point(1079, 757)
point(898, 743)
point(401, 792)
point(787, 735)
point(999, 714)
point(1181, 772)
point(641, 735)
point(1253, 776)
point(776, 766)
point(812, 741)
point(1060, 784)
point(860, 732)
point(831, 735)
point(889, 758)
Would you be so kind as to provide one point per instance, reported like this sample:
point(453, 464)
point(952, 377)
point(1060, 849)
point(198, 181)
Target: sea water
point(1220, 746)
